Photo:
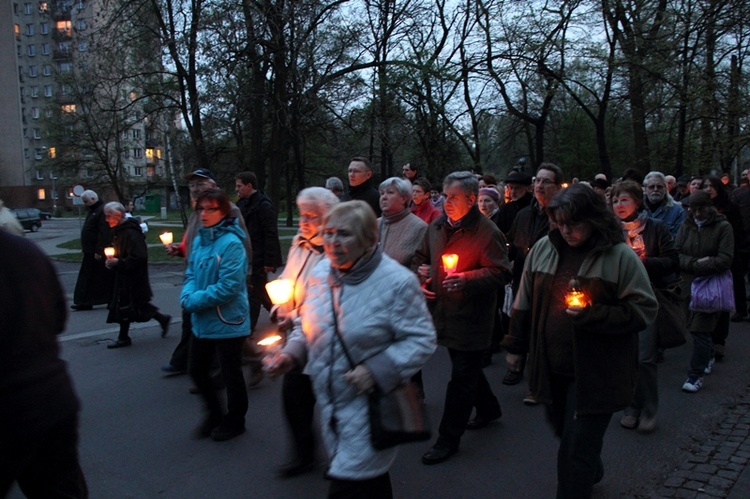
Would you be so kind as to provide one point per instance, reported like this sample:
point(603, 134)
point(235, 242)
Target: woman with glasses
point(215, 294)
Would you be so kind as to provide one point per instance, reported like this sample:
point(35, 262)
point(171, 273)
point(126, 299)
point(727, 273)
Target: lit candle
point(166, 238)
point(576, 298)
point(109, 252)
point(272, 345)
point(450, 262)
point(280, 291)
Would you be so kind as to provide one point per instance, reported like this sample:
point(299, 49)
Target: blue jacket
point(215, 291)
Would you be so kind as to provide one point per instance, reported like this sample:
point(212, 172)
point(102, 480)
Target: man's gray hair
point(321, 198)
point(115, 206)
point(402, 185)
point(469, 183)
point(334, 183)
point(89, 195)
point(656, 174)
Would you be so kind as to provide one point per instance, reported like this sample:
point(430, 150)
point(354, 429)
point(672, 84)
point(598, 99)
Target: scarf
point(360, 271)
point(632, 231)
point(395, 217)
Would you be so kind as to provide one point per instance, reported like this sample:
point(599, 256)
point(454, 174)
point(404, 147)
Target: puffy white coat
point(386, 325)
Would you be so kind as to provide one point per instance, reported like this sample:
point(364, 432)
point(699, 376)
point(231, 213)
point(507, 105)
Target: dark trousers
point(95, 282)
point(739, 269)
point(579, 464)
point(229, 353)
point(372, 488)
point(721, 331)
point(467, 388)
point(181, 352)
point(258, 296)
point(299, 405)
point(703, 350)
point(46, 465)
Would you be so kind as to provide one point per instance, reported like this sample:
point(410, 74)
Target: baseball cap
point(202, 173)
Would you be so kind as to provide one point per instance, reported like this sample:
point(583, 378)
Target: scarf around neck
point(359, 272)
point(632, 231)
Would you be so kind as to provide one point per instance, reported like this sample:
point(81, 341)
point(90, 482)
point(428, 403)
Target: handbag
point(396, 417)
point(712, 293)
point(670, 320)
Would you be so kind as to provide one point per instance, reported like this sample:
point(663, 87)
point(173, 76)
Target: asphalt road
point(136, 424)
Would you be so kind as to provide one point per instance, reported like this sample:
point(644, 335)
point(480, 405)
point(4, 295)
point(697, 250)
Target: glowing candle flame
point(269, 341)
point(576, 298)
point(166, 238)
point(109, 252)
point(450, 262)
point(280, 291)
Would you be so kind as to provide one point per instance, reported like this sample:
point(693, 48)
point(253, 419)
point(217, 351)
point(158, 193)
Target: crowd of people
point(567, 280)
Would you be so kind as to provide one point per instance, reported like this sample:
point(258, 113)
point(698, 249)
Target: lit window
point(149, 153)
point(41, 194)
point(17, 30)
point(68, 108)
point(52, 154)
point(158, 153)
point(42, 7)
point(64, 27)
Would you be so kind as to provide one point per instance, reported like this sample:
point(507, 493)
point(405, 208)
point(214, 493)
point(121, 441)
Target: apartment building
point(43, 44)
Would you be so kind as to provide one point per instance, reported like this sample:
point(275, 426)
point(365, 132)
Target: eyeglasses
point(544, 181)
point(210, 209)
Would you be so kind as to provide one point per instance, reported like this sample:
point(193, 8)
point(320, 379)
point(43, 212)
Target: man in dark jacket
point(38, 406)
point(463, 305)
point(519, 186)
point(360, 186)
point(262, 225)
point(94, 285)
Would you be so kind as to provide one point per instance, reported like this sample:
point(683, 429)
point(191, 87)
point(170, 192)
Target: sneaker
point(647, 424)
point(693, 384)
point(710, 366)
point(629, 421)
point(530, 399)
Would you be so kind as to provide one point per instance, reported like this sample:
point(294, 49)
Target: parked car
point(29, 218)
point(45, 215)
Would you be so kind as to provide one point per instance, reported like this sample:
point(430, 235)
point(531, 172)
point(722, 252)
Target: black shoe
point(165, 325)
point(121, 343)
point(172, 370)
point(438, 453)
point(480, 422)
point(295, 468)
point(226, 431)
point(207, 426)
point(512, 377)
point(82, 307)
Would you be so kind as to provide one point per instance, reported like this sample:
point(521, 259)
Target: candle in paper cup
point(166, 238)
point(450, 262)
point(109, 252)
point(280, 291)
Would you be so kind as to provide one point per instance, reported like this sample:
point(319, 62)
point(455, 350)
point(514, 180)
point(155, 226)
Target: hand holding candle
point(575, 298)
point(109, 252)
point(166, 238)
point(450, 262)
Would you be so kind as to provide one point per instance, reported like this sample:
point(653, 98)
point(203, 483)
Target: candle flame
point(269, 340)
point(576, 299)
point(166, 238)
point(280, 291)
point(109, 252)
point(450, 262)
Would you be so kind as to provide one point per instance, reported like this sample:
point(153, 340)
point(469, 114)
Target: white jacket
point(386, 325)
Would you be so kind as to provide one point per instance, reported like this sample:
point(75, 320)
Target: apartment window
point(53, 155)
point(66, 67)
point(35, 113)
point(26, 154)
point(158, 153)
point(30, 29)
point(135, 134)
point(83, 45)
point(37, 134)
point(15, 9)
point(45, 49)
point(33, 72)
point(138, 171)
point(18, 50)
point(81, 24)
point(64, 48)
point(48, 90)
point(68, 108)
point(137, 152)
point(81, 5)
point(25, 133)
point(44, 28)
point(149, 153)
point(47, 70)
point(28, 9)
point(39, 175)
point(48, 112)
point(43, 7)
point(31, 50)
point(17, 31)
point(34, 91)
point(38, 153)
point(64, 27)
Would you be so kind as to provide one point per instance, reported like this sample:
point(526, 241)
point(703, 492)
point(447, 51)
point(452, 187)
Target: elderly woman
point(306, 252)
point(581, 358)
point(215, 294)
point(421, 205)
point(365, 299)
point(489, 201)
point(132, 294)
point(654, 245)
point(705, 244)
point(400, 231)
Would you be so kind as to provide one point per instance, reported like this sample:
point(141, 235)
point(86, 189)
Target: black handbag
point(397, 417)
point(670, 320)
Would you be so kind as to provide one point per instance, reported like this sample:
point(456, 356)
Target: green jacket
point(605, 333)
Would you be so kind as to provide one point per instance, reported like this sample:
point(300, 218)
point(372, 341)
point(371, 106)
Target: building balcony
point(61, 55)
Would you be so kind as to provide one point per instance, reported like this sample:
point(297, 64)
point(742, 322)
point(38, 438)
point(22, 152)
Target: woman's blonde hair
point(364, 223)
